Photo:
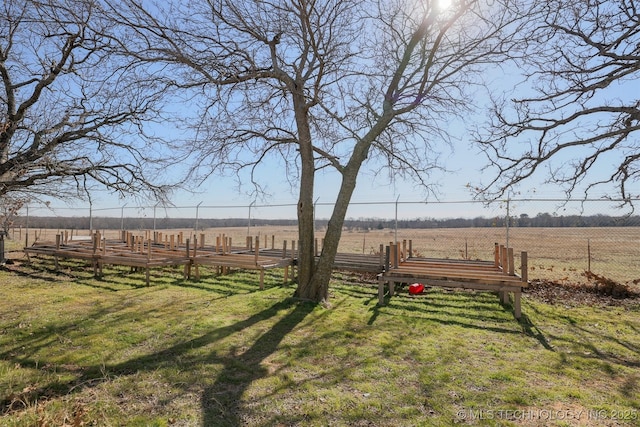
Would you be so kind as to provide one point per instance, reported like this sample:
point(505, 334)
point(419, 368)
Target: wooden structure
point(393, 266)
point(224, 257)
point(146, 252)
point(498, 275)
point(136, 252)
point(360, 263)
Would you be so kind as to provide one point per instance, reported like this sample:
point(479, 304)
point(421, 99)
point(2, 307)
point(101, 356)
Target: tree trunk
point(317, 286)
point(322, 275)
point(306, 256)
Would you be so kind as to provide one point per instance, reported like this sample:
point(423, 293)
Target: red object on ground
point(416, 288)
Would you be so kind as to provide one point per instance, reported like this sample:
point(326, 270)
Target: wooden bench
point(359, 263)
point(497, 276)
point(225, 256)
point(146, 252)
point(136, 253)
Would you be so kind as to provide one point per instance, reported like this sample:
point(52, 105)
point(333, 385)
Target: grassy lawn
point(78, 351)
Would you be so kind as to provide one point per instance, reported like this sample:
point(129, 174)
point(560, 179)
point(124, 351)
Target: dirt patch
point(596, 290)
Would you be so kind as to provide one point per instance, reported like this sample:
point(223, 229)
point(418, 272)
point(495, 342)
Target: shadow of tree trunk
point(222, 402)
point(246, 366)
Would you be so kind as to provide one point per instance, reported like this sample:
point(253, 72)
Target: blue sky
point(375, 196)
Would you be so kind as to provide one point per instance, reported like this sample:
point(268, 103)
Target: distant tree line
point(135, 223)
point(523, 220)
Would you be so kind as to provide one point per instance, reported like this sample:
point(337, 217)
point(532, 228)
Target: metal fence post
point(2, 259)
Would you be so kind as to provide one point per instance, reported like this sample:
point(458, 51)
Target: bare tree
point(71, 111)
point(316, 84)
point(581, 115)
point(9, 210)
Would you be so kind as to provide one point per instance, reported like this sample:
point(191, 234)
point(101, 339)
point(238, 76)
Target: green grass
point(75, 350)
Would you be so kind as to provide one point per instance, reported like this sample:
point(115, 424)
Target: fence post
point(197, 212)
point(507, 221)
point(395, 240)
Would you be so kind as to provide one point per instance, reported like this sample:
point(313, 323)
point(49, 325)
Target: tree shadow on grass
point(467, 309)
point(47, 272)
point(220, 402)
point(231, 283)
point(75, 271)
point(530, 329)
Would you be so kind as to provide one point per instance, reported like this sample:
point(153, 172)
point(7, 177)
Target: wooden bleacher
point(498, 275)
point(393, 266)
point(146, 252)
point(224, 256)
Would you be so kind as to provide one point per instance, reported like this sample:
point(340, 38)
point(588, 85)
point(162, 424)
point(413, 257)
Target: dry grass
point(78, 351)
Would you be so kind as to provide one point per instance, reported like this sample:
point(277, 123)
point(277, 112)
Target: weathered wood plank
point(498, 276)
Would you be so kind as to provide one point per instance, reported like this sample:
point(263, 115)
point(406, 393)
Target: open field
point(79, 351)
point(556, 254)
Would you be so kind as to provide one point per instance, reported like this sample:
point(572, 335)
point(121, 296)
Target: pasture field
point(81, 351)
point(555, 254)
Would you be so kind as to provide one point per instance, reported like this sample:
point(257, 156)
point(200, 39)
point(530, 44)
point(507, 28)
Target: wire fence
point(563, 238)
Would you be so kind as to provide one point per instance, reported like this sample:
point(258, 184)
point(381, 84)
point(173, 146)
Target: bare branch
point(585, 107)
point(70, 107)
